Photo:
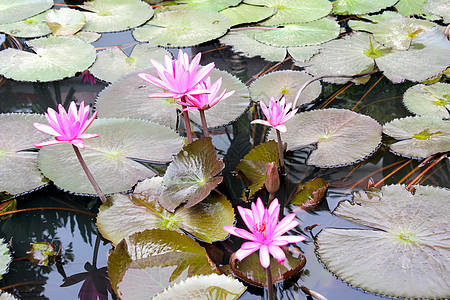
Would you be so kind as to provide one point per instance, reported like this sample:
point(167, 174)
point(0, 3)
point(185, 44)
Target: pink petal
point(240, 233)
point(277, 253)
point(250, 245)
point(241, 254)
point(286, 224)
point(46, 129)
point(247, 217)
point(52, 142)
point(264, 256)
point(281, 128)
point(88, 136)
point(290, 238)
point(203, 73)
point(163, 95)
point(262, 122)
point(78, 143)
point(89, 122)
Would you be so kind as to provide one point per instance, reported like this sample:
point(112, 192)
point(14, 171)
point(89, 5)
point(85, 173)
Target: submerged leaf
point(404, 255)
point(17, 10)
point(429, 100)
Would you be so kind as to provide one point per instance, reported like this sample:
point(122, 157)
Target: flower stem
point(204, 125)
point(270, 295)
point(89, 174)
point(280, 152)
point(187, 125)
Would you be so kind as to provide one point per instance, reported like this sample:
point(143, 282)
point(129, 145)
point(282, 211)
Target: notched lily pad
point(310, 194)
point(32, 27)
point(351, 7)
point(65, 21)
point(191, 176)
point(438, 8)
point(429, 100)
point(420, 136)
point(342, 136)
point(244, 13)
point(17, 10)
point(146, 263)
point(205, 5)
point(404, 255)
point(5, 258)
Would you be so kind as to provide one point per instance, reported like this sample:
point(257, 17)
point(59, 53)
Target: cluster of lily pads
point(148, 225)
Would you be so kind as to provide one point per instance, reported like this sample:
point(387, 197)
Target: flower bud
point(272, 182)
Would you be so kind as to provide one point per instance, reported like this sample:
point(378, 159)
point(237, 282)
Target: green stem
point(281, 152)
point(89, 174)
point(204, 125)
point(270, 294)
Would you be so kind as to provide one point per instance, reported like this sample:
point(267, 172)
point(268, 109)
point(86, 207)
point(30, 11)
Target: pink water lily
point(178, 77)
point(205, 101)
point(67, 126)
point(277, 114)
point(265, 232)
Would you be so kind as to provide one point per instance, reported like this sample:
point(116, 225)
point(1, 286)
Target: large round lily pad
point(404, 255)
point(49, 62)
point(115, 15)
point(19, 171)
point(183, 28)
point(342, 136)
point(206, 5)
point(349, 7)
point(429, 100)
point(124, 215)
point(284, 83)
point(419, 136)
point(439, 8)
point(146, 263)
point(244, 13)
point(109, 156)
point(17, 10)
point(32, 27)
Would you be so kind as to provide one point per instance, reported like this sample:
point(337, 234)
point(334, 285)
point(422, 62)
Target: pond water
point(68, 221)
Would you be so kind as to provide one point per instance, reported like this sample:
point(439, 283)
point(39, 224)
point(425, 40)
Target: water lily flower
point(205, 101)
point(277, 113)
point(67, 126)
point(87, 77)
point(265, 232)
point(178, 77)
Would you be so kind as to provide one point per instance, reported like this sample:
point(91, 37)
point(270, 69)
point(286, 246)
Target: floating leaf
point(140, 211)
point(88, 37)
point(32, 27)
point(419, 136)
point(439, 8)
point(305, 34)
point(406, 255)
point(342, 136)
point(183, 28)
point(49, 62)
point(113, 63)
point(430, 100)
point(108, 157)
point(7, 296)
point(205, 5)
point(350, 7)
point(369, 26)
point(284, 83)
point(40, 252)
point(5, 258)
point(294, 11)
point(244, 13)
point(251, 271)
point(254, 166)
point(303, 53)
point(65, 21)
point(398, 33)
point(7, 206)
point(410, 7)
point(191, 176)
point(243, 41)
point(115, 15)
point(19, 170)
point(310, 194)
point(17, 10)
point(204, 288)
point(146, 263)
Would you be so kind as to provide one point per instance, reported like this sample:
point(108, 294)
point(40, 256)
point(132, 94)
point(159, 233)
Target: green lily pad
point(438, 8)
point(294, 11)
point(5, 258)
point(410, 7)
point(404, 255)
point(244, 13)
point(398, 33)
point(251, 271)
point(254, 166)
point(305, 34)
point(88, 37)
point(304, 53)
point(124, 215)
point(40, 253)
point(377, 18)
point(115, 15)
point(343, 137)
point(65, 21)
point(284, 83)
point(183, 28)
point(113, 63)
point(49, 62)
point(17, 10)
point(20, 172)
point(351, 7)
point(310, 194)
point(204, 288)
point(204, 5)
point(191, 176)
point(419, 136)
point(429, 100)
point(32, 27)
point(244, 43)
point(108, 157)
point(7, 296)
point(146, 263)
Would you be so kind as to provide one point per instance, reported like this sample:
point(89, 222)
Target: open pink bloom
point(205, 101)
point(67, 126)
point(266, 233)
point(277, 114)
point(178, 77)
